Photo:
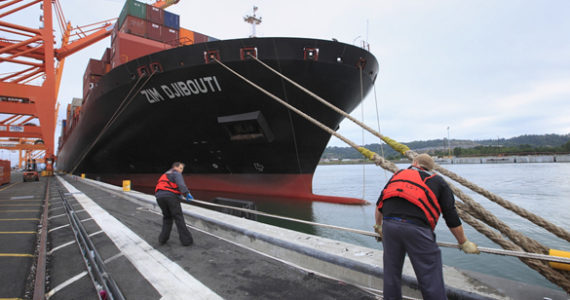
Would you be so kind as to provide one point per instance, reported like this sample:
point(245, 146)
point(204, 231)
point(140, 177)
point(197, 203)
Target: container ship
point(157, 96)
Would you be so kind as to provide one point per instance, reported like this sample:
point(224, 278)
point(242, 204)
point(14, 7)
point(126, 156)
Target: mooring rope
point(560, 278)
point(403, 149)
point(124, 103)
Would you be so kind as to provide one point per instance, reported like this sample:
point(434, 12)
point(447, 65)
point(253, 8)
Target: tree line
point(520, 145)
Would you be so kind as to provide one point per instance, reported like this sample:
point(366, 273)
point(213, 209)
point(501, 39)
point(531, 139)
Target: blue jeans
point(419, 243)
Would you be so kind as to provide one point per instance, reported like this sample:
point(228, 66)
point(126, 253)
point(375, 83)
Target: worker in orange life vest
point(169, 189)
point(407, 212)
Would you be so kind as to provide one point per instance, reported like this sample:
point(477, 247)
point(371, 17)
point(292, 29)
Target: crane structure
point(30, 74)
point(164, 3)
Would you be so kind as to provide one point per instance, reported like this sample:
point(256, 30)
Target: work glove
point(189, 197)
point(378, 229)
point(469, 247)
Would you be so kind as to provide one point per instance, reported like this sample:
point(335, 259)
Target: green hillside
point(524, 144)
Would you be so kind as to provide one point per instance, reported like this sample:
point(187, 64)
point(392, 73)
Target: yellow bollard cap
point(559, 266)
point(126, 185)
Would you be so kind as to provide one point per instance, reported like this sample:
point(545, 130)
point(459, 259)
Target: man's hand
point(378, 229)
point(189, 197)
point(469, 247)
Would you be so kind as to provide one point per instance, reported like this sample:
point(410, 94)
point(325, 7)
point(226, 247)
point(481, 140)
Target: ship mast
point(253, 20)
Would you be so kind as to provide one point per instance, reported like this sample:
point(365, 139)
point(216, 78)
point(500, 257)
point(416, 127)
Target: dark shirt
point(177, 178)
point(402, 208)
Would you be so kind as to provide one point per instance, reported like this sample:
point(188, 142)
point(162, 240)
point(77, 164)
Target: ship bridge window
point(250, 127)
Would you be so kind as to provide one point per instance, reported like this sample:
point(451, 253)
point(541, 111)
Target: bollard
point(126, 185)
point(82, 175)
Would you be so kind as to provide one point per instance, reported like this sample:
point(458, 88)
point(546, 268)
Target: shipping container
point(5, 172)
point(106, 58)
point(200, 38)
point(154, 31)
point(114, 32)
point(132, 8)
point(75, 103)
point(128, 47)
point(154, 14)
point(94, 67)
point(68, 112)
point(171, 20)
point(186, 36)
point(170, 36)
point(134, 25)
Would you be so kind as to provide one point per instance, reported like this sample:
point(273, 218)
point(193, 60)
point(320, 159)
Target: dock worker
point(407, 212)
point(169, 189)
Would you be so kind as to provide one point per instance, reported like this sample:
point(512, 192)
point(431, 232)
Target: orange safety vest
point(166, 185)
point(408, 184)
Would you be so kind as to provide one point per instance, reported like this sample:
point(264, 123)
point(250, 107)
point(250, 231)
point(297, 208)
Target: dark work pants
point(419, 242)
point(172, 212)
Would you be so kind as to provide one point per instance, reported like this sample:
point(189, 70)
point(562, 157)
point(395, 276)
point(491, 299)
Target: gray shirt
point(177, 178)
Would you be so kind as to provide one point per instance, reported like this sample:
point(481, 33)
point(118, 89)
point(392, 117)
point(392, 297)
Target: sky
point(468, 69)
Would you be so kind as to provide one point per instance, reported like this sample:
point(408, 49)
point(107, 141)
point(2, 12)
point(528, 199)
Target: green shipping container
point(132, 8)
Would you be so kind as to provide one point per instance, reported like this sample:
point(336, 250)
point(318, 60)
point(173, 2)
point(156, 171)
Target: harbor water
point(542, 188)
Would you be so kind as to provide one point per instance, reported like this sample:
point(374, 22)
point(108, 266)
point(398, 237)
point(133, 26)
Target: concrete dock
point(231, 258)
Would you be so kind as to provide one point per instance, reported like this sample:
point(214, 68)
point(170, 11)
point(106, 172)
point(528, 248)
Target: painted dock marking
point(18, 232)
point(23, 200)
point(58, 227)
point(5, 188)
point(112, 258)
point(21, 219)
point(25, 204)
point(15, 255)
point(57, 216)
point(61, 246)
point(21, 197)
point(18, 210)
point(167, 277)
point(64, 284)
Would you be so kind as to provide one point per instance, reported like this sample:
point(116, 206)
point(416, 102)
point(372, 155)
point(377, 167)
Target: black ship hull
point(233, 138)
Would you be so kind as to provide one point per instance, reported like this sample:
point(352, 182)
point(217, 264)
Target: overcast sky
point(486, 69)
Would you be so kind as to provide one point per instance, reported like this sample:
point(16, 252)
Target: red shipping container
point(106, 56)
point(153, 31)
point(170, 36)
point(114, 32)
point(200, 38)
point(128, 47)
point(154, 14)
point(94, 67)
point(134, 25)
point(4, 172)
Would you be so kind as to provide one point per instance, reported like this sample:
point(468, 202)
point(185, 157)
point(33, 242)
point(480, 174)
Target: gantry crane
point(30, 90)
point(30, 74)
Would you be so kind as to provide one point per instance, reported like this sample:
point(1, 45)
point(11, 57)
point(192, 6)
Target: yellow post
point(126, 185)
point(82, 175)
point(559, 266)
